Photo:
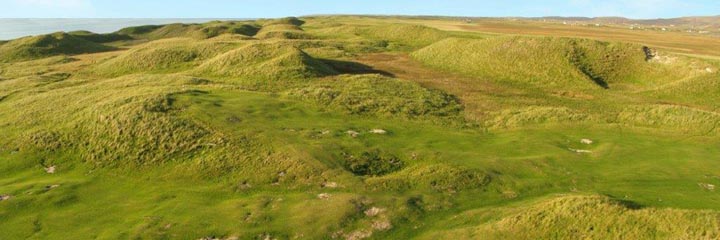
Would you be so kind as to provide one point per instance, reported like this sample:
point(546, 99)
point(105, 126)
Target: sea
point(11, 28)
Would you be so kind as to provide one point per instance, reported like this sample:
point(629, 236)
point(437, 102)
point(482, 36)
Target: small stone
point(707, 186)
point(353, 133)
point(579, 150)
point(710, 70)
point(323, 196)
point(378, 131)
point(329, 185)
point(382, 225)
point(52, 186)
point(374, 211)
point(50, 169)
point(586, 141)
point(5, 197)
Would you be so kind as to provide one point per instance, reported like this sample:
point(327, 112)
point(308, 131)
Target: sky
point(282, 8)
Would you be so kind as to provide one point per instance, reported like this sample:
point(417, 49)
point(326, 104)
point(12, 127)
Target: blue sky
point(280, 8)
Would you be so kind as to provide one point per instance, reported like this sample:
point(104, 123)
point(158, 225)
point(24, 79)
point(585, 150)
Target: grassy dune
point(344, 127)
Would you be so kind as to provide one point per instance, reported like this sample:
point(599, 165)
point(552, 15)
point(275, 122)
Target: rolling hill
point(358, 127)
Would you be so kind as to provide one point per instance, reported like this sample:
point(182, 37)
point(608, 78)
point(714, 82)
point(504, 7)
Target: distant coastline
point(11, 28)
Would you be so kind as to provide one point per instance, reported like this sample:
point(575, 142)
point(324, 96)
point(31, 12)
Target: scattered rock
point(325, 132)
point(707, 186)
point(579, 150)
point(359, 234)
point(50, 169)
point(586, 141)
point(353, 133)
point(220, 238)
point(378, 131)
point(5, 197)
point(281, 174)
point(382, 225)
point(52, 186)
point(329, 185)
point(324, 196)
point(265, 236)
point(374, 211)
point(709, 70)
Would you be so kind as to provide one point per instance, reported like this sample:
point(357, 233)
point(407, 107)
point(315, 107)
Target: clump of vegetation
point(440, 177)
point(598, 217)
point(381, 96)
point(372, 163)
point(36, 47)
point(671, 117)
point(513, 118)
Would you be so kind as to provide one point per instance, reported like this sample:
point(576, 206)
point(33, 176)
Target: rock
point(353, 133)
point(378, 131)
point(5, 197)
point(50, 169)
point(329, 185)
point(357, 235)
point(709, 70)
point(579, 150)
point(217, 238)
point(707, 186)
point(382, 225)
point(586, 141)
point(52, 186)
point(323, 196)
point(373, 211)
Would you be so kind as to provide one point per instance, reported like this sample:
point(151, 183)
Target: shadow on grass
point(348, 67)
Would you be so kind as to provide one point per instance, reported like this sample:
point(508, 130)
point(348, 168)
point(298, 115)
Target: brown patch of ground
point(477, 95)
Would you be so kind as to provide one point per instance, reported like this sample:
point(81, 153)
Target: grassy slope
point(165, 140)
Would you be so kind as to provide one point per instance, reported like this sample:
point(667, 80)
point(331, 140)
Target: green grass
point(554, 62)
point(41, 46)
point(235, 129)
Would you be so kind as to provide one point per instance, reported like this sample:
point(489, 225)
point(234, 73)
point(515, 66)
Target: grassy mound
point(393, 36)
point(439, 177)
point(100, 38)
point(671, 117)
point(136, 124)
point(597, 217)
point(406, 35)
point(35, 47)
point(283, 21)
point(513, 118)
point(165, 55)
point(197, 31)
point(376, 95)
point(282, 31)
point(550, 62)
point(264, 61)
